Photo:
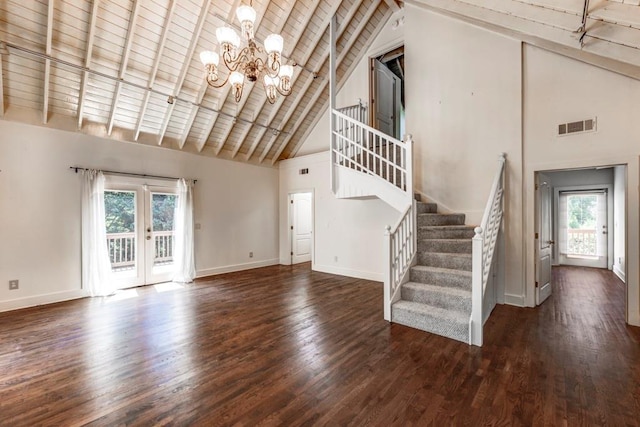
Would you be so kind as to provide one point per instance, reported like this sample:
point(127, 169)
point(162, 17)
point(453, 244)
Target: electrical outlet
point(250, 254)
point(13, 285)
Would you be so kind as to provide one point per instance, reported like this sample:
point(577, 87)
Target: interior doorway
point(580, 220)
point(140, 225)
point(301, 226)
point(387, 92)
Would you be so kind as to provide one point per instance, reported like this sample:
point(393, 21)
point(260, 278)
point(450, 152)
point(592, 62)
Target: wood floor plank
point(287, 346)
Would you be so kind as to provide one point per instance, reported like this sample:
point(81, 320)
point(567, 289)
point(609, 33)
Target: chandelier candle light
point(246, 63)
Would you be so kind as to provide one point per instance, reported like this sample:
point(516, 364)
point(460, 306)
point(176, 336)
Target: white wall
point(357, 85)
point(472, 93)
point(463, 108)
point(619, 221)
point(236, 205)
point(558, 89)
point(350, 229)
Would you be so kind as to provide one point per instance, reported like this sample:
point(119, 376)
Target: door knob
point(551, 242)
point(148, 237)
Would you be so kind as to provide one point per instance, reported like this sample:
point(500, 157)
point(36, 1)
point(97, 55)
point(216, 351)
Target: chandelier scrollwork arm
point(248, 63)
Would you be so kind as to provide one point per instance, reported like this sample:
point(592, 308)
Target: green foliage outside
point(163, 206)
point(120, 211)
point(582, 211)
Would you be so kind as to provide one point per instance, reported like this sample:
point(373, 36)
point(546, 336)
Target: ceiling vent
point(588, 125)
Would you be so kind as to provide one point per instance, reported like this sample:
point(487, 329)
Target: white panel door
point(387, 100)
point(301, 227)
point(543, 241)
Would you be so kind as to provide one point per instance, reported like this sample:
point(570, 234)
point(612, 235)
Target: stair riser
point(447, 246)
point(437, 299)
point(438, 219)
point(440, 278)
point(445, 261)
point(435, 325)
point(443, 233)
point(426, 208)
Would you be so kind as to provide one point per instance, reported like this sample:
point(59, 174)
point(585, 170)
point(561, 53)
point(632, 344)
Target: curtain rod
point(143, 175)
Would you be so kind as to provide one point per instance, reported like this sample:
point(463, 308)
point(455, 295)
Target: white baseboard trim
point(236, 267)
point(517, 300)
point(619, 273)
point(367, 275)
point(16, 304)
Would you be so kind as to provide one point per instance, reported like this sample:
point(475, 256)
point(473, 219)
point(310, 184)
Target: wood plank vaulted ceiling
point(111, 67)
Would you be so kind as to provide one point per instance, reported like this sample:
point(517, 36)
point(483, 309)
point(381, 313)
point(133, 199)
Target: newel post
point(477, 273)
point(387, 273)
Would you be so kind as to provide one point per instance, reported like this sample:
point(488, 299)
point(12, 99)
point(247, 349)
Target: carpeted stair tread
point(451, 260)
point(440, 219)
point(445, 297)
point(448, 323)
point(445, 245)
point(442, 270)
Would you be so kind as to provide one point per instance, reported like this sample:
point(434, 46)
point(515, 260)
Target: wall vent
point(304, 171)
point(588, 125)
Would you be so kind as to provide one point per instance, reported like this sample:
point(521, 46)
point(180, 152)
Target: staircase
point(437, 298)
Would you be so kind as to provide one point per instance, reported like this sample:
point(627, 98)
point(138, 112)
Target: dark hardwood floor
point(286, 346)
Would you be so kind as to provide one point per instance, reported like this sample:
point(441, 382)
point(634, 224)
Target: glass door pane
point(160, 236)
point(122, 243)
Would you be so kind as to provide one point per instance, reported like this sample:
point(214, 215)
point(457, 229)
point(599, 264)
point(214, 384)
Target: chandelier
point(247, 63)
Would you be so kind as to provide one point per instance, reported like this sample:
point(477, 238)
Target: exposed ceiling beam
point(303, 27)
point(123, 64)
point(156, 64)
point(204, 11)
point(1, 88)
point(203, 90)
point(325, 25)
point(47, 64)
point(354, 37)
point(245, 96)
point(227, 87)
point(392, 5)
point(87, 59)
point(342, 27)
point(352, 67)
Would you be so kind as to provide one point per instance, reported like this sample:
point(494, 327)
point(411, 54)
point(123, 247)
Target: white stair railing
point(484, 247)
point(365, 149)
point(400, 249)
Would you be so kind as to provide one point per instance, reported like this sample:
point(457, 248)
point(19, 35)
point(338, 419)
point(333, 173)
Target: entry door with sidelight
point(140, 233)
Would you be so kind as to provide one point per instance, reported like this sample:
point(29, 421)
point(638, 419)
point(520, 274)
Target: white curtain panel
point(183, 256)
point(96, 267)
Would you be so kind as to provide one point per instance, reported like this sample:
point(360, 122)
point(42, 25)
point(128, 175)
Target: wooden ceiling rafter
point(87, 60)
point(280, 27)
point(226, 90)
point(204, 11)
point(47, 63)
point(200, 96)
point(123, 65)
point(156, 64)
point(350, 70)
point(342, 27)
point(281, 99)
point(346, 49)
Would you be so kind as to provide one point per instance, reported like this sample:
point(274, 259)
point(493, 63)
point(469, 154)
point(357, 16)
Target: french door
point(140, 233)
